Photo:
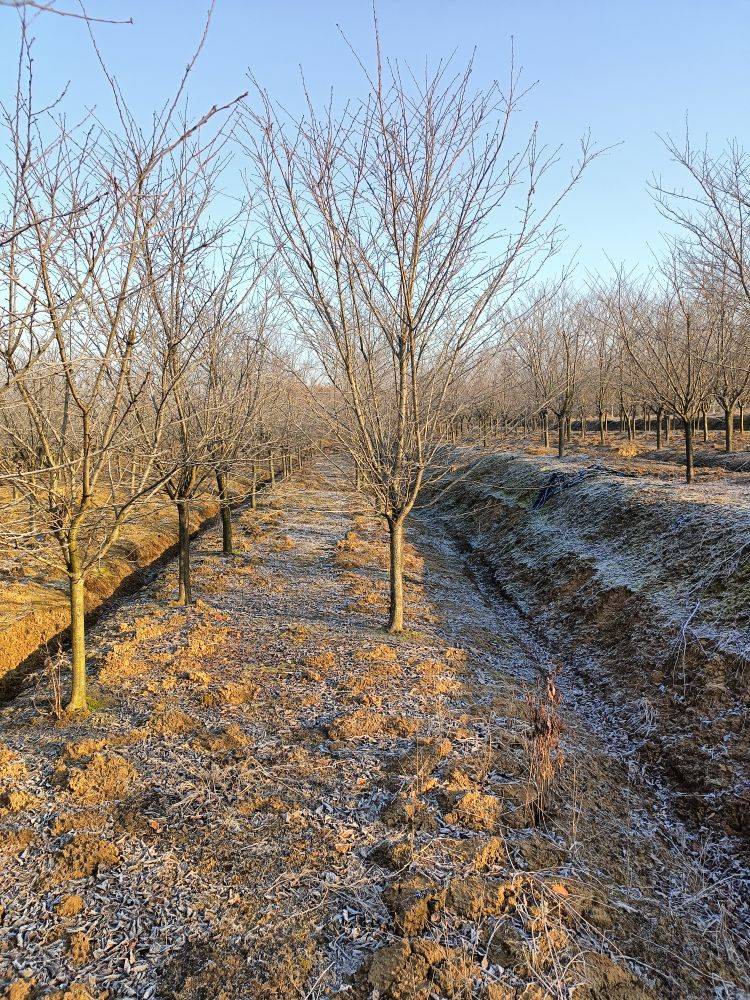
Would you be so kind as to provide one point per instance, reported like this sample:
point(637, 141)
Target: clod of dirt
point(230, 694)
point(104, 777)
point(69, 906)
point(393, 855)
point(77, 991)
point(606, 980)
point(173, 722)
point(20, 989)
point(592, 908)
point(12, 768)
point(455, 976)
point(84, 855)
point(378, 654)
point(16, 841)
point(224, 740)
point(416, 970)
point(549, 939)
point(535, 853)
point(499, 991)
point(406, 810)
point(321, 661)
point(475, 811)
point(262, 803)
point(413, 903)
point(364, 722)
point(83, 749)
point(17, 801)
point(79, 947)
point(423, 758)
point(66, 822)
point(474, 897)
point(478, 853)
point(505, 946)
point(458, 781)
point(142, 816)
point(392, 972)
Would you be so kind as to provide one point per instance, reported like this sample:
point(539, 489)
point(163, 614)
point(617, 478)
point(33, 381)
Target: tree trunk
point(667, 428)
point(705, 426)
point(272, 469)
point(560, 436)
point(728, 428)
point(183, 520)
point(658, 428)
point(688, 450)
point(396, 574)
point(742, 419)
point(77, 701)
point(227, 547)
point(583, 427)
point(602, 432)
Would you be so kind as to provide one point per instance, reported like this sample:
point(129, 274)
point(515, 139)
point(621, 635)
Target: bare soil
point(273, 798)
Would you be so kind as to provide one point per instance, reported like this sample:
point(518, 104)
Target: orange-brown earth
point(274, 798)
point(34, 602)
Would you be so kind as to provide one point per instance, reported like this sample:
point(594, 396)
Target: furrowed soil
point(274, 798)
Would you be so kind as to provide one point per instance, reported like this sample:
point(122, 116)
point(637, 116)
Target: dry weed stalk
point(546, 756)
point(53, 664)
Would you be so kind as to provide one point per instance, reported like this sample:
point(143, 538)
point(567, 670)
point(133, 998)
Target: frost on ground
point(273, 798)
point(649, 577)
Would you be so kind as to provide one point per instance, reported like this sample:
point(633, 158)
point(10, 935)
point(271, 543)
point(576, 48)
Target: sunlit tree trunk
point(77, 702)
point(396, 574)
point(728, 428)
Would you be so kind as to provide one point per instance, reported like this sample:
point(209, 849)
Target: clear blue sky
point(626, 69)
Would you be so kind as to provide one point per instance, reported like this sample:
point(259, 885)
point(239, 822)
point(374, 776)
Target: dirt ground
point(273, 798)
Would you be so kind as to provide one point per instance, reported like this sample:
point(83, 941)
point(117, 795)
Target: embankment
point(642, 588)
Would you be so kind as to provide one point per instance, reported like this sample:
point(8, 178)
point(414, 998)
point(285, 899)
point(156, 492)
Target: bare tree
point(242, 390)
point(602, 363)
point(728, 344)
point(82, 206)
point(405, 225)
point(667, 340)
point(199, 272)
point(73, 413)
point(552, 340)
